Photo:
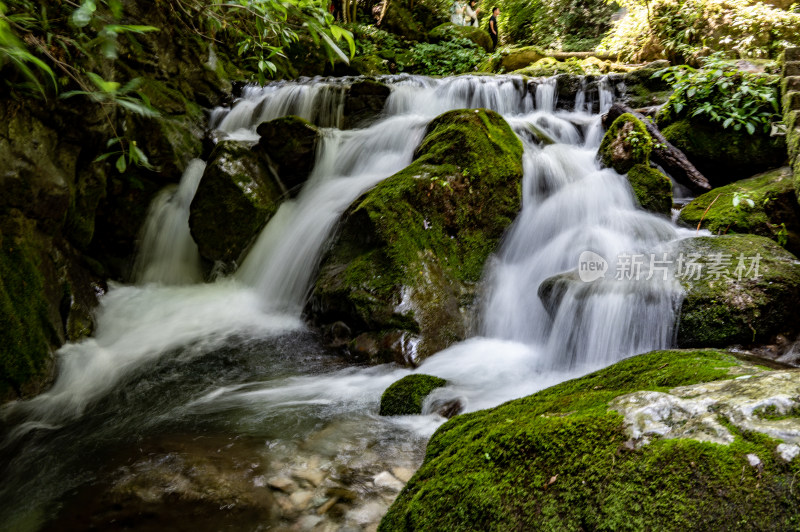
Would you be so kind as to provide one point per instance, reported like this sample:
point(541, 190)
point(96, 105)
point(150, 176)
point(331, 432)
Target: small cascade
point(168, 254)
point(546, 95)
point(320, 102)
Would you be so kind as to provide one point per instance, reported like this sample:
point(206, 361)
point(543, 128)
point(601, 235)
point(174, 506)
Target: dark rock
point(290, 143)
point(364, 102)
point(235, 198)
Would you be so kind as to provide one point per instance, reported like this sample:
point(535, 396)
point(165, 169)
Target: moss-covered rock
point(752, 300)
point(517, 58)
point(653, 189)
point(364, 102)
point(400, 21)
point(725, 155)
point(234, 200)
point(643, 89)
point(448, 31)
point(775, 212)
point(290, 144)
point(572, 457)
point(625, 144)
point(405, 397)
point(409, 252)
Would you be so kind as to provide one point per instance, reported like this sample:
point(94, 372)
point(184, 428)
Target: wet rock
point(234, 200)
point(749, 300)
point(364, 102)
point(653, 190)
point(284, 484)
point(405, 396)
point(643, 89)
point(446, 408)
point(409, 252)
point(312, 476)
point(403, 474)
point(525, 460)
point(774, 213)
point(301, 499)
point(290, 144)
point(384, 479)
point(625, 144)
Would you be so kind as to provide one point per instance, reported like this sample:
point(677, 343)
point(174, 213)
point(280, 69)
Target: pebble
point(385, 479)
point(301, 499)
point(327, 505)
point(312, 476)
point(283, 484)
point(403, 474)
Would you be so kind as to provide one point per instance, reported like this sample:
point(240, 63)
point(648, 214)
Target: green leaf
point(83, 15)
point(750, 128)
point(121, 164)
point(137, 107)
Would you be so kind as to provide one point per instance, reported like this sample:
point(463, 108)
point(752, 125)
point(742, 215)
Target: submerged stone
point(568, 458)
point(405, 397)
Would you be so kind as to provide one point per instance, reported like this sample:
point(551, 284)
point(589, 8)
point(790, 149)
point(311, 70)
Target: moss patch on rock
point(563, 459)
point(405, 397)
point(725, 155)
point(409, 252)
point(741, 305)
point(517, 58)
point(774, 214)
point(625, 144)
point(653, 189)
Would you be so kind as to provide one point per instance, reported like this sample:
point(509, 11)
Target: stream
point(209, 406)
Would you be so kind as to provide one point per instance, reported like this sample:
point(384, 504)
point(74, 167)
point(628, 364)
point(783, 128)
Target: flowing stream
point(203, 394)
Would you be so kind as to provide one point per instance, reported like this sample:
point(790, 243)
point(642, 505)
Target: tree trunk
point(668, 156)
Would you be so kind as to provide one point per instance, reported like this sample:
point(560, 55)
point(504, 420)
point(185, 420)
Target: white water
point(569, 205)
point(168, 254)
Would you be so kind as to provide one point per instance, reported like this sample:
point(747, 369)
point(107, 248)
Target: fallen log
point(563, 56)
point(665, 154)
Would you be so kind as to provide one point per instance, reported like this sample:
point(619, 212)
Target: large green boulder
point(725, 155)
point(653, 190)
point(669, 440)
point(405, 397)
point(236, 197)
point(774, 212)
point(449, 31)
point(625, 144)
point(752, 300)
point(290, 144)
point(517, 58)
point(408, 254)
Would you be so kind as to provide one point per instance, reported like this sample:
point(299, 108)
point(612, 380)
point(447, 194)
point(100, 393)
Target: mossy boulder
point(405, 397)
point(643, 89)
point(725, 155)
point(596, 453)
point(400, 21)
point(409, 252)
point(364, 102)
point(448, 31)
point(290, 144)
point(517, 58)
point(625, 144)
point(743, 304)
point(775, 212)
point(234, 200)
point(653, 190)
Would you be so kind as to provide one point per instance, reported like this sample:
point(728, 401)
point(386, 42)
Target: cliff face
point(68, 222)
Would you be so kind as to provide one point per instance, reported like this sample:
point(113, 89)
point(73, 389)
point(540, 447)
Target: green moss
point(558, 460)
point(625, 144)
point(422, 235)
point(653, 189)
point(25, 330)
point(517, 58)
point(405, 397)
point(725, 155)
point(774, 213)
point(727, 310)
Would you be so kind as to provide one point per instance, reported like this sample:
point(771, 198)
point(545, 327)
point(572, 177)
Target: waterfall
point(233, 357)
point(168, 254)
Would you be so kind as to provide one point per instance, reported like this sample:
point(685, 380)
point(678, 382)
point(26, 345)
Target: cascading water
point(168, 254)
point(170, 366)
